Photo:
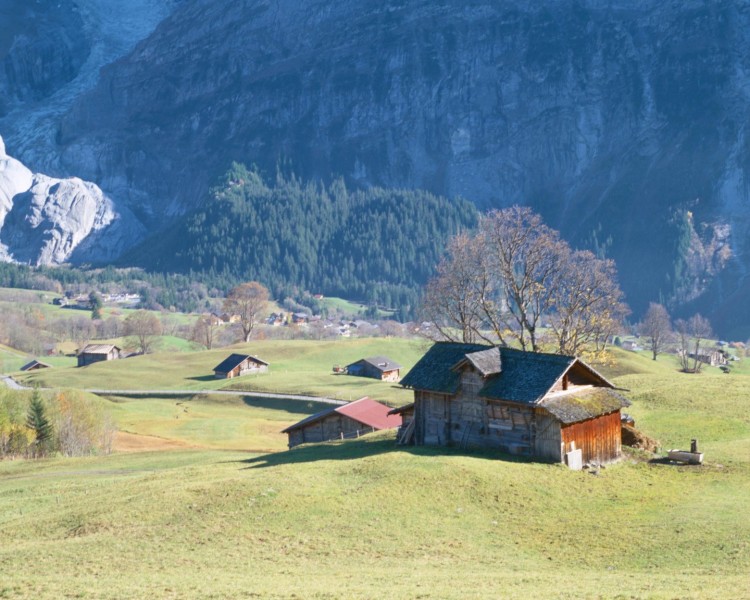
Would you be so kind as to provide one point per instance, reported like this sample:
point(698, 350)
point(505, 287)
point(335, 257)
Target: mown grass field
point(367, 519)
point(223, 422)
point(297, 367)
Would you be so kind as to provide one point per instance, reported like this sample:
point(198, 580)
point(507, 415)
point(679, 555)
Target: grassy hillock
point(368, 519)
point(365, 519)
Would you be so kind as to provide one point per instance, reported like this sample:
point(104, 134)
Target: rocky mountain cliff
point(44, 220)
point(622, 122)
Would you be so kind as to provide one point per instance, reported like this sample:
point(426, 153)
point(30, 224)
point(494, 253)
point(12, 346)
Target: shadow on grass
point(302, 407)
point(363, 448)
point(202, 378)
point(663, 460)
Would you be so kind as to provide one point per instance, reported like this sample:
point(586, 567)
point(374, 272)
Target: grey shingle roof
point(526, 376)
point(573, 407)
point(233, 360)
point(523, 377)
point(99, 349)
point(34, 363)
point(433, 372)
point(383, 363)
point(487, 362)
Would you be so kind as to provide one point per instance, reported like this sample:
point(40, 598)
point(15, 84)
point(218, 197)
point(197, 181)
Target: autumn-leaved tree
point(516, 274)
point(248, 301)
point(142, 327)
point(656, 326)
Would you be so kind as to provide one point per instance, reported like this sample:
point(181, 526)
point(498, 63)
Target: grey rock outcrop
point(45, 220)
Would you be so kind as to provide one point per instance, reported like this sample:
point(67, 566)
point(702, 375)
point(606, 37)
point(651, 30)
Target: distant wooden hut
point(98, 353)
point(355, 419)
point(377, 367)
point(532, 404)
point(35, 365)
point(236, 365)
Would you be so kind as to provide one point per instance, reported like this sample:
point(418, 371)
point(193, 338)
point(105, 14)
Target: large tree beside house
point(515, 274)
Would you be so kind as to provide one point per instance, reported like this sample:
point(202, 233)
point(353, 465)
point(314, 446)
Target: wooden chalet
point(538, 405)
point(35, 365)
point(376, 367)
point(236, 365)
point(98, 353)
point(351, 420)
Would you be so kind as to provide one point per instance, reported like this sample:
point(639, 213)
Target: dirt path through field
point(134, 442)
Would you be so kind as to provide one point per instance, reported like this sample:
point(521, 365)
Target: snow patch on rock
point(46, 220)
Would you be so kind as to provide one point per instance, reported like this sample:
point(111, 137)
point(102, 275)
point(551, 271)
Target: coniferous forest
point(377, 245)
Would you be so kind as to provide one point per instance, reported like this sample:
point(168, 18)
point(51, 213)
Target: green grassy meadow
point(297, 367)
point(231, 514)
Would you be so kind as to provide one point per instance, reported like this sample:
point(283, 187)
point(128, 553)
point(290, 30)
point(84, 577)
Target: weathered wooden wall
point(548, 439)
point(468, 421)
point(599, 438)
point(329, 428)
point(431, 415)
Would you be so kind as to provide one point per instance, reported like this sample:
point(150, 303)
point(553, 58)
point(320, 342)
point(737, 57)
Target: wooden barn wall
point(390, 376)
point(327, 429)
point(430, 413)
point(599, 438)
point(510, 427)
point(548, 439)
point(369, 371)
point(249, 366)
point(468, 421)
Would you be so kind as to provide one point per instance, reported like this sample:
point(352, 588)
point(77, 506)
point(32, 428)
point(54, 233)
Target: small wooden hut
point(354, 419)
point(531, 404)
point(35, 365)
point(376, 367)
point(236, 365)
point(98, 353)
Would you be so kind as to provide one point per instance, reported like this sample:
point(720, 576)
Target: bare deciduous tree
point(524, 259)
point(143, 327)
point(248, 301)
point(588, 303)
point(500, 284)
point(657, 327)
point(452, 299)
point(204, 331)
point(691, 334)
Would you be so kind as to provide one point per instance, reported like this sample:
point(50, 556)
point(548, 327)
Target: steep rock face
point(611, 119)
point(15, 178)
point(44, 220)
point(42, 47)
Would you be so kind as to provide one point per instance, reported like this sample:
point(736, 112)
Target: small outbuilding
point(236, 365)
point(351, 420)
point(35, 365)
point(98, 353)
point(544, 406)
point(406, 430)
point(376, 367)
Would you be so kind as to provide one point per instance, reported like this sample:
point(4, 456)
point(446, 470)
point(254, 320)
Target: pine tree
point(36, 420)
